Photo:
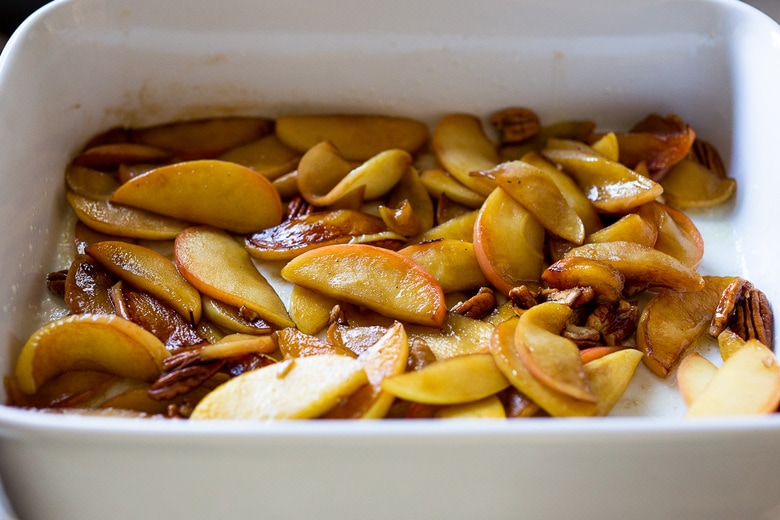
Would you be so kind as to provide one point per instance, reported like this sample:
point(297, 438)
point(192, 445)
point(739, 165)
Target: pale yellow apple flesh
point(461, 146)
point(452, 262)
point(693, 375)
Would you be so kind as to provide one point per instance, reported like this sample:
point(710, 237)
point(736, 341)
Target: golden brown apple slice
point(411, 190)
point(203, 138)
point(628, 228)
point(324, 176)
point(488, 408)
point(657, 141)
point(90, 183)
point(310, 310)
point(438, 182)
point(539, 194)
point(552, 359)
point(728, 343)
point(608, 146)
point(379, 279)
point(293, 344)
point(294, 236)
point(502, 347)
point(452, 262)
point(74, 389)
point(300, 388)
point(359, 137)
point(232, 319)
point(691, 185)
point(609, 185)
point(576, 130)
point(747, 383)
point(400, 220)
point(508, 242)
point(220, 267)
point(386, 358)
point(238, 344)
point(124, 221)
point(459, 379)
point(693, 375)
point(149, 271)
point(458, 336)
point(461, 146)
point(672, 321)
point(609, 376)
point(211, 192)
point(606, 281)
point(642, 264)
point(114, 154)
point(89, 342)
point(458, 228)
point(267, 156)
point(88, 286)
point(677, 234)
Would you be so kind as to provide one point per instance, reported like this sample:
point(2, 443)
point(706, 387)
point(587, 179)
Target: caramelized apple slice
point(643, 265)
point(299, 388)
point(293, 344)
point(539, 194)
point(73, 389)
point(359, 137)
point(87, 287)
point(452, 262)
point(386, 358)
point(747, 383)
point(552, 359)
point(294, 236)
point(379, 279)
point(606, 281)
point(459, 379)
point(508, 242)
point(232, 319)
point(123, 221)
point(324, 176)
point(609, 185)
point(216, 193)
point(114, 154)
point(692, 185)
point(438, 182)
point(149, 271)
point(238, 344)
point(672, 321)
point(659, 142)
point(267, 156)
point(575, 130)
point(458, 336)
point(728, 343)
point(203, 138)
point(310, 310)
point(89, 342)
point(502, 347)
point(458, 228)
point(677, 234)
point(90, 183)
point(220, 267)
point(461, 146)
point(609, 376)
point(488, 408)
point(628, 228)
point(693, 375)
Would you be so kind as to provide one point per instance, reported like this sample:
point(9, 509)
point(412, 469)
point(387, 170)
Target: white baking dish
point(79, 66)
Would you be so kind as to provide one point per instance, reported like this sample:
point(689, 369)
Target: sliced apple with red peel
point(609, 185)
point(552, 359)
point(672, 321)
point(149, 271)
point(539, 194)
point(89, 342)
point(124, 221)
point(324, 176)
point(211, 192)
point(693, 375)
point(508, 242)
point(452, 262)
point(459, 379)
point(502, 347)
point(300, 388)
point(220, 267)
point(461, 146)
point(358, 136)
point(386, 358)
point(609, 375)
point(642, 264)
point(747, 383)
point(379, 279)
point(294, 236)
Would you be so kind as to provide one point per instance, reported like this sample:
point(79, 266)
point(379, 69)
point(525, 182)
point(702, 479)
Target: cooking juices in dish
point(366, 266)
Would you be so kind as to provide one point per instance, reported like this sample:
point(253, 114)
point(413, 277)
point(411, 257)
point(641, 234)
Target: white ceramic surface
point(79, 66)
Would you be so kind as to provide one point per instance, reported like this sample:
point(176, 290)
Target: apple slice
point(359, 137)
point(231, 318)
point(114, 154)
point(123, 221)
point(539, 194)
point(574, 271)
point(747, 383)
point(488, 408)
point(267, 156)
point(628, 228)
point(552, 359)
point(457, 228)
point(452, 262)
point(692, 185)
point(502, 347)
point(293, 344)
point(438, 182)
point(216, 193)
point(678, 236)
point(300, 388)
point(609, 375)
point(458, 336)
point(89, 342)
point(379, 279)
point(310, 310)
point(220, 267)
point(693, 375)
point(90, 183)
point(149, 271)
point(508, 242)
point(455, 380)
point(461, 146)
point(386, 358)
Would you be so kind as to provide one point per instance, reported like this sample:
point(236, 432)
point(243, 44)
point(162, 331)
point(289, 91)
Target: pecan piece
point(732, 294)
point(516, 125)
point(55, 281)
point(707, 155)
point(745, 310)
point(522, 297)
point(478, 306)
point(573, 297)
point(182, 380)
point(615, 323)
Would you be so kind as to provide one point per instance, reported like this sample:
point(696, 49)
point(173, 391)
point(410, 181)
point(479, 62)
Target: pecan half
point(516, 124)
point(615, 323)
point(55, 281)
point(707, 155)
point(523, 297)
point(478, 306)
point(746, 310)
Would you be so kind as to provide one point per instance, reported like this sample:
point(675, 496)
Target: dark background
point(13, 12)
